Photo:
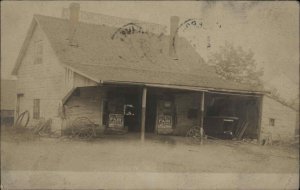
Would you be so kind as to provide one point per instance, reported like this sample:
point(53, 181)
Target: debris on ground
point(116, 131)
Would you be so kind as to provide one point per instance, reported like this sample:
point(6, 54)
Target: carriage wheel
point(193, 135)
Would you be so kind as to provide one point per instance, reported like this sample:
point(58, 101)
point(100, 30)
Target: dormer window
point(38, 52)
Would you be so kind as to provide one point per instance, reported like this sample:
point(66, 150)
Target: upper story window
point(272, 122)
point(38, 52)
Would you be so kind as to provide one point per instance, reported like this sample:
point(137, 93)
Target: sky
point(270, 29)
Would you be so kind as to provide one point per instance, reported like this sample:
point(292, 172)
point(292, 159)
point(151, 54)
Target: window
point(272, 122)
point(36, 108)
point(38, 52)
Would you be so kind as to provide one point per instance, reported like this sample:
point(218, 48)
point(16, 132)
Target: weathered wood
point(101, 95)
point(242, 131)
point(87, 104)
point(144, 98)
point(260, 118)
point(202, 117)
point(44, 81)
point(285, 120)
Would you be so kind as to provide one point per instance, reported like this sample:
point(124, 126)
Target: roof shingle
point(142, 57)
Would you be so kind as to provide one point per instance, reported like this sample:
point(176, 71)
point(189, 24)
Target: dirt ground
point(126, 153)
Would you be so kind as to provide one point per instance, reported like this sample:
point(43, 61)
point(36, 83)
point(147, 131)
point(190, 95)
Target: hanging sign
point(165, 121)
point(116, 121)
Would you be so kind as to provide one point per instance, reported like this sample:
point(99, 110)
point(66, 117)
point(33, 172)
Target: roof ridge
point(93, 24)
point(112, 27)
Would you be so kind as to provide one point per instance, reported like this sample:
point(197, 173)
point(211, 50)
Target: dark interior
point(151, 112)
point(226, 115)
point(124, 101)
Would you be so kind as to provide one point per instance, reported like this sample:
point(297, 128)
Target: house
point(127, 77)
point(8, 101)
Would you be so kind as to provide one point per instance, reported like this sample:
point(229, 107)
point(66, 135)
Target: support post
point(261, 99)
point(202, 118)
point(101, 109)
point(143, 120)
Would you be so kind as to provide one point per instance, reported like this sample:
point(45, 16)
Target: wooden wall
point(42, 81)
point(286, 120)
point(48, 81)
point(87, 103)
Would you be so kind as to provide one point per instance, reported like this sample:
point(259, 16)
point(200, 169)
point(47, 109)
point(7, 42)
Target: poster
point(164, 121)
point(116, 120)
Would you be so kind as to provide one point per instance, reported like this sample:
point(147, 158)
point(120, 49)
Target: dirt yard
point(125, 153)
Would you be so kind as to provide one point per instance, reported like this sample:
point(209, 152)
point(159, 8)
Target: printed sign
point(116, 121)
point(164, 121)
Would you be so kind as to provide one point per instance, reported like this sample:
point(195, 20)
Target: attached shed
point(279, 120)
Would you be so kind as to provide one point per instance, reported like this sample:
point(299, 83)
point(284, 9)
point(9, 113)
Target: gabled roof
point(8, 94)
point(24, 46)
point(139, 58)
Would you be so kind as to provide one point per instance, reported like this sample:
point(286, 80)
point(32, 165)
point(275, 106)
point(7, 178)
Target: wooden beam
point(186, 87)
point(101, 97)
point(260, 114)
point(143, 120)
point(202, 117)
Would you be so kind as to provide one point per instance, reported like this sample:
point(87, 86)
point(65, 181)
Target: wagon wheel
point(45, 128)
point(20, 120)
point(193, 135)
point(83, 132)
point(39, 126)
point(75, 131)
point(92, 132)
point(89, 132)
point(82, 127)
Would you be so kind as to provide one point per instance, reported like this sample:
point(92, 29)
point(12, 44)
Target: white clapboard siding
point(87, 104)
point(285, 120)
point(42, 81)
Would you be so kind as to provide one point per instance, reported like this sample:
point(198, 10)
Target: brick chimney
point(174, 21)
point(74, 19)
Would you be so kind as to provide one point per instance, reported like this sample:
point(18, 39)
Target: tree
point(236, 64)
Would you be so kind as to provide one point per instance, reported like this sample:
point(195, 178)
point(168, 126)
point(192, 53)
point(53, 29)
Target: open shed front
point(165, 111)
point(229, 116)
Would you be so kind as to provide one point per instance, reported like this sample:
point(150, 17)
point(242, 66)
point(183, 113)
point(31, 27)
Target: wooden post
point(261, 99)
point(144, 98)
point(202, 117)
point(101, 110)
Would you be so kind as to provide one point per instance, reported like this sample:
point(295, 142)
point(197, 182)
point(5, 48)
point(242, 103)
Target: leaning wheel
point(83, 128)
point(89, 133)
point(193, 135)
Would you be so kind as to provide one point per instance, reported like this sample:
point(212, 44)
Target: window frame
point(272, 122)
point(38, 52)
point(36, 108)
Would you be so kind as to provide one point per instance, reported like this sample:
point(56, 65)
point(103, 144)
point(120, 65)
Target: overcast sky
point(269, 29)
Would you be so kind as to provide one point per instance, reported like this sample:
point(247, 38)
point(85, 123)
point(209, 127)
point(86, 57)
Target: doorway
point(122, 108)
